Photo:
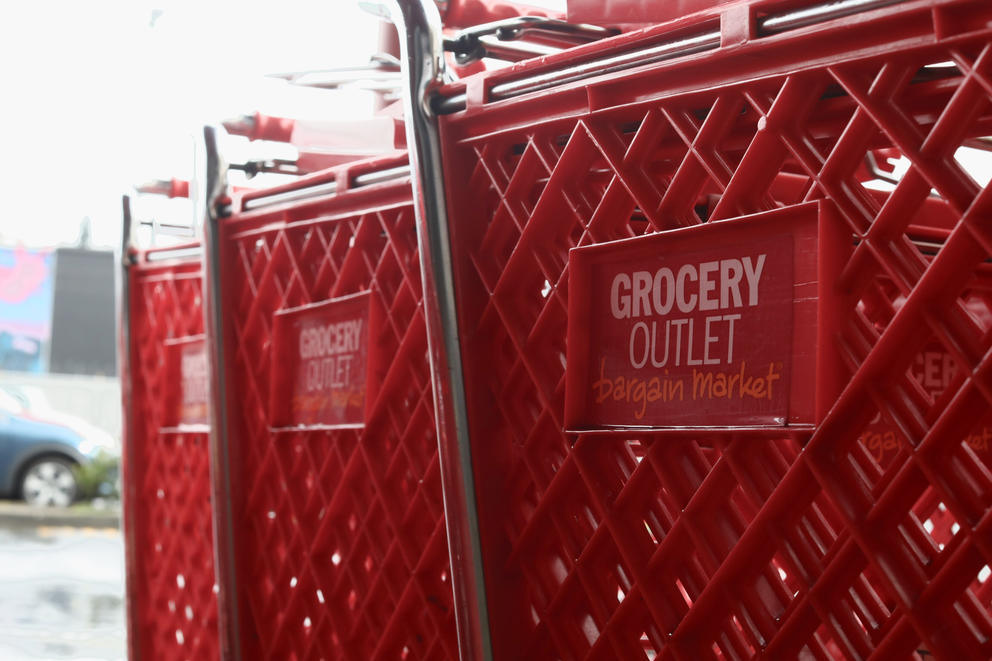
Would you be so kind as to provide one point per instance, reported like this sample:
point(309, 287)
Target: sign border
point(283, 377)
point(818, 235)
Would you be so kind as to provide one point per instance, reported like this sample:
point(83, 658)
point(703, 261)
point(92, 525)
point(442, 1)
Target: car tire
point(49, 482)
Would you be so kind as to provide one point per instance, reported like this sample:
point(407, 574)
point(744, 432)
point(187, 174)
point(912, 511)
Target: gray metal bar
point(271, 166)
point(710, 40)
point(220, 460)
point(130, 491)
point(510, 51)
point(419, 27)
point(169, 229)
point(829, 11)
point(380, 176)
point(605, 66)
point(127, 228)
point(489, 39)
point(329, 188)
point(518, 26)
point(177, 253)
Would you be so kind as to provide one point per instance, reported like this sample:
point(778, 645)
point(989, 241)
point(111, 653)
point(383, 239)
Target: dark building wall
point(83, 323)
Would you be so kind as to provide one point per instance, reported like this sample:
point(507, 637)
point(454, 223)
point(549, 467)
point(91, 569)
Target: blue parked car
point(39, 448)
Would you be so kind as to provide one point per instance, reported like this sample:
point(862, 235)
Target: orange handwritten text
point(639, 392)
point(734, 385)
point(881, 443)
point(303, 404)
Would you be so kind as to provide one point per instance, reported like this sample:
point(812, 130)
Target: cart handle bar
point(615, 63)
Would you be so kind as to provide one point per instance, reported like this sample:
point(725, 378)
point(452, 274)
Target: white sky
point(98, 96)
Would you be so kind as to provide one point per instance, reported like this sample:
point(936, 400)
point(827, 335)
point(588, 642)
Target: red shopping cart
point(647, 524)
point(167, 519)
point(335, 543)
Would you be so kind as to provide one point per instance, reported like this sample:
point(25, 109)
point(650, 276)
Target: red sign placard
point(321, 374)
point(709, 326)
point(187, 380)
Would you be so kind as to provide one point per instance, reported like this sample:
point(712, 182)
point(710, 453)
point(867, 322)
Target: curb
point(25, 515)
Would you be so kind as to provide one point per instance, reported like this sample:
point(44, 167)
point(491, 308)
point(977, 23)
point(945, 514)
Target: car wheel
point(49, 482)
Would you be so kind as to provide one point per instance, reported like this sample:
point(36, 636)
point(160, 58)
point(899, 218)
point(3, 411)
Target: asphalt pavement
point(61, 585)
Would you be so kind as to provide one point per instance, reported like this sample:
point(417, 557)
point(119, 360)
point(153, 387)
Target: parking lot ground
point(61, 585)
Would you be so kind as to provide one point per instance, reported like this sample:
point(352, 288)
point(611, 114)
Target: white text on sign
point(328, 352)
point(710, 286)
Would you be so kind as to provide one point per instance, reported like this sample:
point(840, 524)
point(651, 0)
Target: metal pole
point(130, 491)
point(421, 45)
point(220, 466)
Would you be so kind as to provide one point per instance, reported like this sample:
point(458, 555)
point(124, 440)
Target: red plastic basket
point(340, 547)
point(726, 542)
point(469, 13)
point(614, 12)
point(172, 590)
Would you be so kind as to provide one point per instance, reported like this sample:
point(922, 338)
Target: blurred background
point(98, 97)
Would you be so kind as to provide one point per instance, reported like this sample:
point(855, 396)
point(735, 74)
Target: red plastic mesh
point(171, 577)
point(340, 540)
point(724, 545)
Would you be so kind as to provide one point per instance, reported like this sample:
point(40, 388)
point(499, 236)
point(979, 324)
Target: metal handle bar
point(260, 127)
point(270, 166)
point(169, 229)
point(419, 26)
point(484, 40)
point(171, 188)
point(327, 188)
point(189, 252)
point(643, 55)
point(220, 443)
point(167, 187)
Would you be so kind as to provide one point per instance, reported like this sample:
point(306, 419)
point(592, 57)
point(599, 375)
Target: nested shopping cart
point(173, 592)
point(730, 163)
point(330, 535)
point(177, 607)
point(167, 518)
point(335, 537)
point(332, 540)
